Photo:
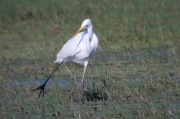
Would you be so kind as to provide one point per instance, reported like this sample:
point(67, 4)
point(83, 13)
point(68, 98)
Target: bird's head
point(85, 24)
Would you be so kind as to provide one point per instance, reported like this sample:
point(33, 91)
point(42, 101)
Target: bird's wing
point(70, 47)
point(82, 36)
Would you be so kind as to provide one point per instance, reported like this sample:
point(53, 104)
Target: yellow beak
point(80, 29)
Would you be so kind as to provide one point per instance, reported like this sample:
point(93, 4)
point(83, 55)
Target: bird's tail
point(58, 60)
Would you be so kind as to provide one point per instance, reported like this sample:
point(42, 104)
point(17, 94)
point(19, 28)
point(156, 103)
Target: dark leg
point(42, 87)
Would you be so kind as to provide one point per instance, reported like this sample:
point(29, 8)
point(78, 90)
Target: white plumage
point(79, 49)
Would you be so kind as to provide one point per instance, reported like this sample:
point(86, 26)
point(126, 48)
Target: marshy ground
point(134, 74)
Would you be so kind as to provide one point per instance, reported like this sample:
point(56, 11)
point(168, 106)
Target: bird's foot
point(41, 88)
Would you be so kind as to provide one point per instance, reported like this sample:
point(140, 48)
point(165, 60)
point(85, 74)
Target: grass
point(134, 74)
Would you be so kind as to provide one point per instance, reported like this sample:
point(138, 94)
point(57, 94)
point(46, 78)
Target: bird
point(78, 49)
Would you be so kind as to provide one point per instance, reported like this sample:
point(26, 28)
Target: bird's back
point(75, 49)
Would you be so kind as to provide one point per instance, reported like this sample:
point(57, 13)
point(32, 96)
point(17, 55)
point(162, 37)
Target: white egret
point(79, 49)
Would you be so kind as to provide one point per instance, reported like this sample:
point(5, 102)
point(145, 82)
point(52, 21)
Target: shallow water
point(51, 83)
point(162, 52)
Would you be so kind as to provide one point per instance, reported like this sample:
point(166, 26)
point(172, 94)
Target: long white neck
point(90, 32)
